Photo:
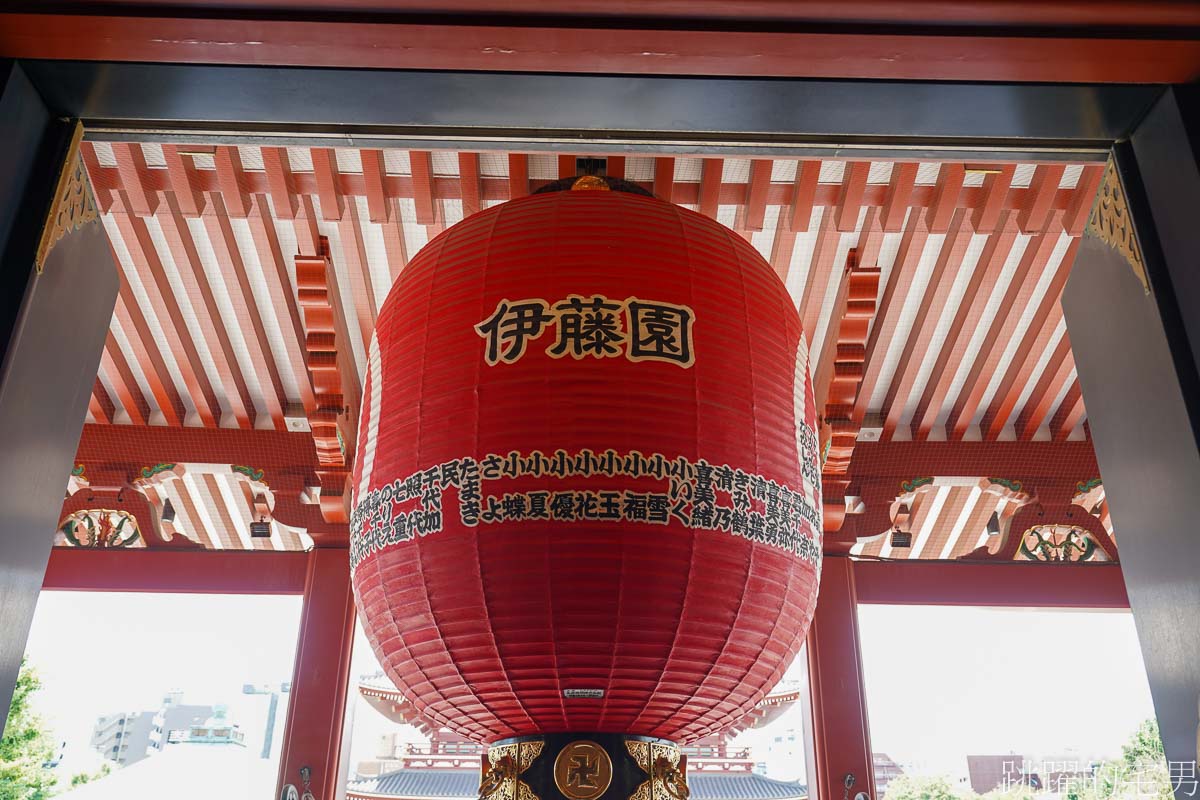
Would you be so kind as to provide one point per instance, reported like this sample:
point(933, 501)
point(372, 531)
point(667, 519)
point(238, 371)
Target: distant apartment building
point(127, 737)
point(886, 770)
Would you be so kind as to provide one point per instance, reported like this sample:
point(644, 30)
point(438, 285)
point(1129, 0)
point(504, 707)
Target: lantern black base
point(583, 766)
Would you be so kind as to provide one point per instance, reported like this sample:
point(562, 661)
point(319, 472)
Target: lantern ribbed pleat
point(484, 627)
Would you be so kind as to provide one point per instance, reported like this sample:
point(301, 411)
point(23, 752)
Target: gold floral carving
point(1112, 223)
point(73, 206)
point(662, 763)
point(500, 779)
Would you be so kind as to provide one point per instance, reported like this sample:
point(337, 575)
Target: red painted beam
point(1025, 460)
point(899, 196)
point(908, 53)
point(949, 186)
point(1008, 584)
point(1069, 414)
point(182, 171)
point(329, 191)
point(374, 175)
point(280, 183)
point(116, 367)
point(710, 186)
point(995, 190)
point(1035, 211)
point(171, 570)
point(804, 192)
point(232, 180)
point(664, 178)
point(1055, 375)
point(1082, 199)
point(820, 272)
point(100, 404)
point(468, 170)
point(850, 199)
point(518, 175)
point(756, 194)
point(424, 196)
point(131, 165)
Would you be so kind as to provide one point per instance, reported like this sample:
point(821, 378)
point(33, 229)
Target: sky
point(1038, 683)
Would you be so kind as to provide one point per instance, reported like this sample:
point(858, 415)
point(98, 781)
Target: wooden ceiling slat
point(890, 308)
point(188, 521)
point(208, 314)
point(1082, 198)
point(782, 247)
point(816, 282)
point(241, 296)
point(756, 194)
point(970, 312)
point(227, 528)
point(283, 295)
point(850, 198)
point(899, 196)
point(995, 192)
point(357, 267)
point(329, 190)
point(374, 172)
point(518, 175)
point(232, 180)
point(100, 405)
point(161, 295)
point(933, 303)
point(1034, 213)
point(1016, 298)
point(1037, 337)
point(1070, 413)
point(468, 172)
point(181, 169)
point(710, 186)
point(804, 194)
point(664, 178)
point(280, 182)
point(1055, 375)
point(968, 536)
point(946, 197)
point(394, 245)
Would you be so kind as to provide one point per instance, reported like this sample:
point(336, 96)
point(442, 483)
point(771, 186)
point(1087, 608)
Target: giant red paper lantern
point(586, 489)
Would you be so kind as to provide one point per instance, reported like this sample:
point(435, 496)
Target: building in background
point(127, 737)
point(886, 770)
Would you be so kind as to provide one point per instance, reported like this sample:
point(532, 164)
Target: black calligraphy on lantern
point(591, 325)
point(660, 332)
point(510, 328)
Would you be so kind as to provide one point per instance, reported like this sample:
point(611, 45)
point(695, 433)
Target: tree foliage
point(27, 745)
point(920, 787)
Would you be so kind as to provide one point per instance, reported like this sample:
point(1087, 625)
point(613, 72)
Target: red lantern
point(586, 490)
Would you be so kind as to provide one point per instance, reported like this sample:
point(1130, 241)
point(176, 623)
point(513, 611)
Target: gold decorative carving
point(582, 770)
point(73, 205)
point(665, 768)
point(1112, 223)
point(502, 768)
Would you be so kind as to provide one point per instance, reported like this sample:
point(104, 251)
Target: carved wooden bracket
point(838, 379)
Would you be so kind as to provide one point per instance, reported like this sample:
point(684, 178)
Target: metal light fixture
point(168, 511)
point(901, 538)
point(993, 524)
point(260, 529)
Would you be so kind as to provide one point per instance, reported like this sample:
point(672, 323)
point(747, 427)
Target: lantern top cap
point(593, 183)
point(586, 183)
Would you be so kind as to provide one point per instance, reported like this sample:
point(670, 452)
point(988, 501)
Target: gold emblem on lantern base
point(582, 771)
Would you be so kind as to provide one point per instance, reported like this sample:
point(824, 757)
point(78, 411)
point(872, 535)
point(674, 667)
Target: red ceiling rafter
point(890, 307)
point(1035, 341)
point(280, 184)
point(996, 186)
point(899, 196)
point(145, 351)
point(566, 166)
point(1016, 298)
point(1034, 213)
point(1057, 374)
point(1009, 459)
point(131, 166)
point(850, 198)
point(245, 307)
point(104, 194)
point(1070, 413)
point(208, 315)
point(664, 178)
point(468, 171)
point(424, 196)
point(100, 405)
point(925, 322)
point(782, 248)
point(329, 190)
point(374, 175)
point(756, 194)
point(804, 194)
point(354, 249)
point(232, 180)
point(710, 186)
point(1082, 198)
point(945, 200)
point(970, 312)
point(518, 175)
point(120, 377)
point(181, 168)
point(615, 167)
point(820, 270)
